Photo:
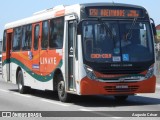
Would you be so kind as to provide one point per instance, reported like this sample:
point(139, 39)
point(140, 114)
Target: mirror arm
point(153, 27)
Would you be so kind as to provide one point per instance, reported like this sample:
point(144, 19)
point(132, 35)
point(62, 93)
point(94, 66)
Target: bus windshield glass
point(117, 41)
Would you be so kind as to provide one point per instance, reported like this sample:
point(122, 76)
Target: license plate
point(122, 87)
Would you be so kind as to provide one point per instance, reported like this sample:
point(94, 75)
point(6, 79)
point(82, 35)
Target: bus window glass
point(45, 31)
point(36, 37)
point(56, 33)
point(16, 45)
point(99, 42)
point(26, 37)
point(112, 41)
point(4, 41)
point(138, 36)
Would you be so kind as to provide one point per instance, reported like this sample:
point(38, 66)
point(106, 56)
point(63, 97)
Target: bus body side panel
point(81, 70)
point(13, 72)
point(4, 73)
point(37, 83)
point(37, 80)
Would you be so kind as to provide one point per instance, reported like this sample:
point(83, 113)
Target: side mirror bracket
point(153, 27)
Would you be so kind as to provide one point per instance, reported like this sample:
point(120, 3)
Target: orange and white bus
point(82, 49)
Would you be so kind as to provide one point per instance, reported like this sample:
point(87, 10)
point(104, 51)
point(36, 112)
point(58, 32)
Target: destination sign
point(100, 12)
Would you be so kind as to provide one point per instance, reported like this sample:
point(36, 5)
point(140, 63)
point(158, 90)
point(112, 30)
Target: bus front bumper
point(91, 87)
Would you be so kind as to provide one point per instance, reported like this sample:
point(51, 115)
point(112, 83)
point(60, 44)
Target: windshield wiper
point(131, 28)
point(107, 28)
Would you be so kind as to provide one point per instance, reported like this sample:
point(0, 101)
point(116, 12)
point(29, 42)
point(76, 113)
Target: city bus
point(82, 49)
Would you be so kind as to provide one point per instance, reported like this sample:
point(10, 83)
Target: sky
point(12, 10)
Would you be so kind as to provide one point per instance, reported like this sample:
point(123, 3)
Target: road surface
point(11, 100)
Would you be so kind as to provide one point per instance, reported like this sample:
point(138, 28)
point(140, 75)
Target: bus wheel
point(21, 88)
point(62, 94)
point(121, 98)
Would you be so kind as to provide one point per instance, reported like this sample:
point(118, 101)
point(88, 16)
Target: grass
point(158, 33)
point(158, 36)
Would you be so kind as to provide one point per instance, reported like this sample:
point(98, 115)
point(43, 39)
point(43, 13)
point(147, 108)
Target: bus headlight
point(90, 72)
point(150, 72)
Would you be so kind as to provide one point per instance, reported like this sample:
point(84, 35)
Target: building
point(0, 46)
point(158, 27)
point(158, 31)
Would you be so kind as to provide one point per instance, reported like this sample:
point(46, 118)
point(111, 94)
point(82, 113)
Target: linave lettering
point(45, 60)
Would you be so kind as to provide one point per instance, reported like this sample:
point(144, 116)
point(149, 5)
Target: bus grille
point(114, 89)
point(128, 71)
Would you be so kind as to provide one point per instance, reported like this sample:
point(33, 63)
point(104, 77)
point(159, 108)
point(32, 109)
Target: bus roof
point(61, 10)
point(57, 11)
point(111, 4)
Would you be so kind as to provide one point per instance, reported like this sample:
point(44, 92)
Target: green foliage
point(157, 39)
point(158, 33)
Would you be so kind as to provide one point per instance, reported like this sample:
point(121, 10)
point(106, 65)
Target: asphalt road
point(11, 100)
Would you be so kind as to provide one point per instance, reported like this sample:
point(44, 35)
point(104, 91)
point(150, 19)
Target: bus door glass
point(71, 54)
point(8, 54)
point(44, 48)
point(35, 50)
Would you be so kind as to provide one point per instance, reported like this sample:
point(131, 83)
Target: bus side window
point(36, 37)
point(45, 33)
point(56, 33)
point(16, 45)
point(26, 37)
point(4, 41)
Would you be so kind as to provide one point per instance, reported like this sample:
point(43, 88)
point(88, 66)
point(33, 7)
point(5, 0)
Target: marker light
point(90, 72)
point(150, 72)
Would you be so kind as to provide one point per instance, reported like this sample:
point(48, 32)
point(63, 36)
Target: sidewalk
point(158, 70)
point(158, 79)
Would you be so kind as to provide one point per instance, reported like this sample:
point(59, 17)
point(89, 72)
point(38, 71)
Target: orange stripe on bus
point(9, 30)
point(60, 13)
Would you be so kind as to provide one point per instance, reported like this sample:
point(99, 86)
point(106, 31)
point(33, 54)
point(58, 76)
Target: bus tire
point(21, 88)
point(121, 98)
point(62, 94)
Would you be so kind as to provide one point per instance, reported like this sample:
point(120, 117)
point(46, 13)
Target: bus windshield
point(117, 41)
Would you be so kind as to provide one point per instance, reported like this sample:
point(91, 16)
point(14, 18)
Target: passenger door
point(8, 54)
point(71, 46)
point(36, 38)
